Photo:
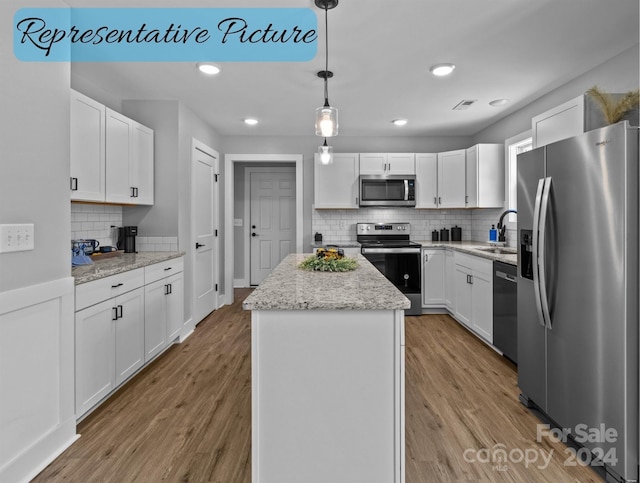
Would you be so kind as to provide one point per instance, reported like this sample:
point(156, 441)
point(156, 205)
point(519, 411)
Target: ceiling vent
point(464, 104)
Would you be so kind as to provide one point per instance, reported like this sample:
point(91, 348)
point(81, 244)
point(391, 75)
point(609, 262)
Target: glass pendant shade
point(326, 153)
point(326, 121)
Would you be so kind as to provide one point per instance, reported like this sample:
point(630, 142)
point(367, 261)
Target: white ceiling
point(380, 53)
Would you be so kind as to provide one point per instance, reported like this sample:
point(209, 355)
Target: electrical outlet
point(342, 224)
point(16, 238)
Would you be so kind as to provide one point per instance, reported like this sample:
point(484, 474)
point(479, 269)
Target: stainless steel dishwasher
point(505, 313)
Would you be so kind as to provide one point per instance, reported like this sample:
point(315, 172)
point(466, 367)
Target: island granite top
point(288, 287)
point(118, 262)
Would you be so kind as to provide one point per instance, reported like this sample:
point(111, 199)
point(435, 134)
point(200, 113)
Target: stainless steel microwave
point(390, 190)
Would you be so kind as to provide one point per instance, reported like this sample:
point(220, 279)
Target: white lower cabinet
point(449, 286)
point(120, 324)
point(109, 346)
point(473, 280)
point(164, 303)
point(433, 293)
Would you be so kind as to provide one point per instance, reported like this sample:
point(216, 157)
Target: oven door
point(401, 266)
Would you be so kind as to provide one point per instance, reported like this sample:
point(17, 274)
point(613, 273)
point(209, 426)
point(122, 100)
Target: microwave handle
point(406, 189)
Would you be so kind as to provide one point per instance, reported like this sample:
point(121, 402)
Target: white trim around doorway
point(229, 245)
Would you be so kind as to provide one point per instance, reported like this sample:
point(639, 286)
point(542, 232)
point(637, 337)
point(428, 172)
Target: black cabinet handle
point(167, 269)
point(74, 184)
point(114, 313)
point(118, 285)
point(119, 312)
point(198, 245)
point(168, 289)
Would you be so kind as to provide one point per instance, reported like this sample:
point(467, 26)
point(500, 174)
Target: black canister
point(317, 237)
point(444, 235)
point(434, 235)
point(456, 233)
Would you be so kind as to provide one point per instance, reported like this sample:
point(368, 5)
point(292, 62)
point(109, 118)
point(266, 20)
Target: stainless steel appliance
point(389, 248)
point(578, 290)
point(505, 309)
point(127, 238)
point(387, 190)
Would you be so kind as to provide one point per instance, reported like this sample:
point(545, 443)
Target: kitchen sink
point(499, 250)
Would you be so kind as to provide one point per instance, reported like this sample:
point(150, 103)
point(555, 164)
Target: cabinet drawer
point(476, 264)
point(91, 293)
point(161, 270)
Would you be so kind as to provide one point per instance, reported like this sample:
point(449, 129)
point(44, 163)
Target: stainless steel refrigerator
point(578, 290)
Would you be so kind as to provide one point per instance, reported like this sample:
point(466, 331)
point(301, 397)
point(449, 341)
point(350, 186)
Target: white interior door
point(272, 221)
point(204, 168)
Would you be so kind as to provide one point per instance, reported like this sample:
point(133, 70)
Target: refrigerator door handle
point(544, 299)
point(535, 251)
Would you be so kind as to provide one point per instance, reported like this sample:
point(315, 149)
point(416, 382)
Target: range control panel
point(383, 228)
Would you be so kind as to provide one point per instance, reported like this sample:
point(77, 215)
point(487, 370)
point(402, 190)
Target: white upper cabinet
point(485, 176)
point(426, 180)
point(112, 155)
point(387, 163)
point(451, 179)
point(561, 122)
point(336, 184)
point(129, 147)
point(87, 148)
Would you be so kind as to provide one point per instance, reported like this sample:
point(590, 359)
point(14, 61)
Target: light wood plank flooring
point(187, 417)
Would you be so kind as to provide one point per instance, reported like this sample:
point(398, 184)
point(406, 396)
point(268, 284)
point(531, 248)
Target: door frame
point(197, 145)
point(229, 196)
point(247, 211)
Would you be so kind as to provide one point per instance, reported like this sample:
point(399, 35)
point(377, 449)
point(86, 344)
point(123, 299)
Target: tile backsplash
point(98, 222)
point(338, 226)
point(95, 221)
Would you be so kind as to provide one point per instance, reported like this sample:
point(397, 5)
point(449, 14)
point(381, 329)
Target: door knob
point(254, 234)
point(198, 245)
point(253, 226)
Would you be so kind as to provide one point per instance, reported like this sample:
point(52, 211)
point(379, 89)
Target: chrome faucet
point(501, 227)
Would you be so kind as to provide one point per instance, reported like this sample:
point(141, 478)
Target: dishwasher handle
point(506, 276)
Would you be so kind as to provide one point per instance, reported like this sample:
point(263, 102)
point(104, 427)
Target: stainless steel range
point(389, 248)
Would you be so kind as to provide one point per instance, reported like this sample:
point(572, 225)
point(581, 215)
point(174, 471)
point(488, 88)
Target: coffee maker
point(127, 238)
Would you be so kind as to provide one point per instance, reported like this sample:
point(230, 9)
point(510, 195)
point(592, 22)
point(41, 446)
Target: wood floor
point(187, 417)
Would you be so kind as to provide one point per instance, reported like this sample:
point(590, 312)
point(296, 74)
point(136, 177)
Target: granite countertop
point(474, 248)
point(118, 262)
point(290, 288)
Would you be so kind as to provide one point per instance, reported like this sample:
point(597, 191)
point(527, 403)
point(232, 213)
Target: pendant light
point(326, 153)
point(326, 116)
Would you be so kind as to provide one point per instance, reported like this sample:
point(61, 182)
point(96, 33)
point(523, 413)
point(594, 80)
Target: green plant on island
point(319, 264)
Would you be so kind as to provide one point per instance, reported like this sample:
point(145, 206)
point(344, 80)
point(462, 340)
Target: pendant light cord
point(326, 56)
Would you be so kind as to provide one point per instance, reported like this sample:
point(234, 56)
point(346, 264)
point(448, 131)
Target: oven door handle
point(390, 251)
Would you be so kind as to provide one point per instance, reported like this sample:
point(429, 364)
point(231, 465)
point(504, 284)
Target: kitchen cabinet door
point(155, 319)
point(449, 280)
point(401, 163)
point(141, 170)
point(95, 354)
point(87, 148)
point(336, 185)
point(373, 163)
point(482, 305)
point(118, 140)
point(426, 180)
point(129, 160)
point(451, 179)
point(485, 176)
point(433, 277)
point(129, 334)
point(175, 305)
point(463, 287)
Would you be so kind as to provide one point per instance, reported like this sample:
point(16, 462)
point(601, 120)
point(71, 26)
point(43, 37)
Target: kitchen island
point(327, 376)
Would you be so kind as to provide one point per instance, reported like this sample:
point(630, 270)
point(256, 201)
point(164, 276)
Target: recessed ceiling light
point(442, 69)
point(209, 69)
point(498, 102)
point(399, 122)
point(251, 121)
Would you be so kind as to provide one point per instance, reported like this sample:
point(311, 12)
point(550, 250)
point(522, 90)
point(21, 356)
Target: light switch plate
point(16, 238)
point(237, 222)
